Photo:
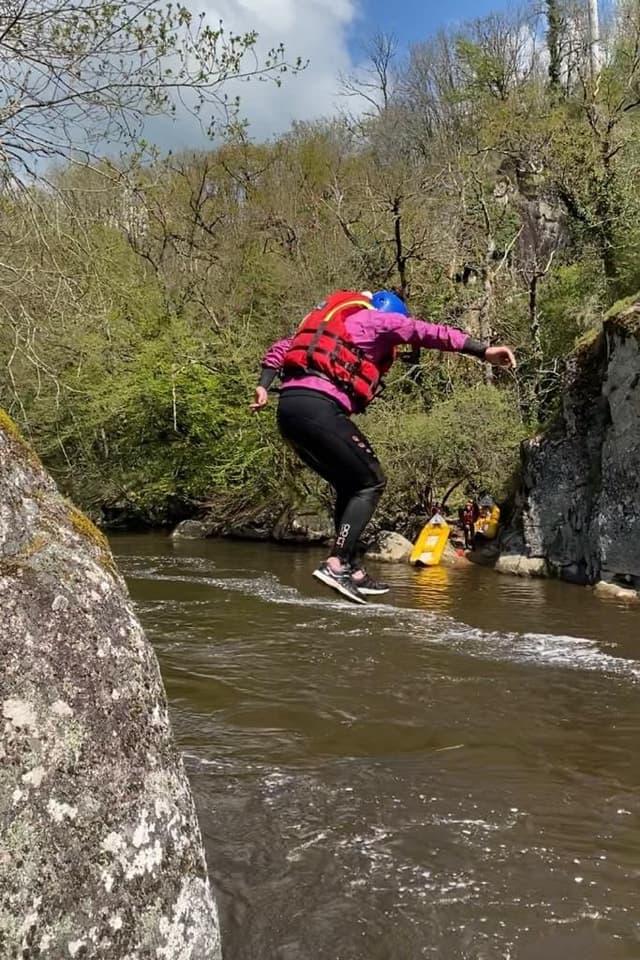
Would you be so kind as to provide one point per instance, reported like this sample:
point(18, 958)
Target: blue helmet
point(389, 302)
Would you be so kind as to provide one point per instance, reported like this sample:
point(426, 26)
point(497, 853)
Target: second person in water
point(331, 368)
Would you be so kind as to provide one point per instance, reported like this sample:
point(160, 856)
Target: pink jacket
point(376, 333)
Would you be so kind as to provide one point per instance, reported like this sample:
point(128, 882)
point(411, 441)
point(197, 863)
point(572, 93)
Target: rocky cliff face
point(100, 850)
point(578, 508)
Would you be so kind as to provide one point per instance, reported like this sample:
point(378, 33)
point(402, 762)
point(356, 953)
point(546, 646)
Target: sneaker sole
point(367, 592)
point(330, 582)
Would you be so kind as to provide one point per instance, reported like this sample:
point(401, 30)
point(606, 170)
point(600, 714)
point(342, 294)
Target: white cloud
point(314, 30)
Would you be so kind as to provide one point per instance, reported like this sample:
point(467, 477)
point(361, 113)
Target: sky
point(413, 20)
point(327, 33)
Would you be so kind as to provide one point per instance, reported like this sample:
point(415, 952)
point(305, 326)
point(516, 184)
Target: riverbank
point(392, 547)
point(307, 523)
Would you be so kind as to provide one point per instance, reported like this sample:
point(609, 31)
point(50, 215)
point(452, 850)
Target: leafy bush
point(472, 437)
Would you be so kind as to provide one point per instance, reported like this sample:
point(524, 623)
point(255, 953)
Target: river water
point(450, 773)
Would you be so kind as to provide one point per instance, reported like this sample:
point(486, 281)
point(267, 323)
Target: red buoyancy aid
point(323, 347)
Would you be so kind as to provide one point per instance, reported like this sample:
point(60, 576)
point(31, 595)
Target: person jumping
point(331, 368)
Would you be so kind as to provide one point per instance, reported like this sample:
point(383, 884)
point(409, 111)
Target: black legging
point(320, 431)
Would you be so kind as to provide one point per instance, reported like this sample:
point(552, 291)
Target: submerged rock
point(522, 566)
point(578, 509)
point(192, 530)
point(100, 850)
point(613, 591)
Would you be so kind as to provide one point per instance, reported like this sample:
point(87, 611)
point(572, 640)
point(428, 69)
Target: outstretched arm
point(399, 329)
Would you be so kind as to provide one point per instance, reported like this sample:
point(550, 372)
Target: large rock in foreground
point(100, 850)
point(579, 505)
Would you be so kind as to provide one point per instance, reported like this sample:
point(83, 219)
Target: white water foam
point(542, 649)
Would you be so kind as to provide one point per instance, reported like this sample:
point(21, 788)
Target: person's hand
point(501, 357)
point(260, 399)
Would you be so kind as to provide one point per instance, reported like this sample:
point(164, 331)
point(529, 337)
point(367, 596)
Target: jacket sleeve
point(272, 361)
point(398, 329)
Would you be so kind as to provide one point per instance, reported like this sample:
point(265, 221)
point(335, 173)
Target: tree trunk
point(401, 267)
point(536, 340)
point(553, 43)
point(484, 312)
point(595, 44)
point(401, 260)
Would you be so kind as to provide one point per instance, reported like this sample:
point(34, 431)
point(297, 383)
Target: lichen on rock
point(100, 849)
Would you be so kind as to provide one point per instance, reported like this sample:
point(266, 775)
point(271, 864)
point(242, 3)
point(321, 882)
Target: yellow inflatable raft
point(429, 546)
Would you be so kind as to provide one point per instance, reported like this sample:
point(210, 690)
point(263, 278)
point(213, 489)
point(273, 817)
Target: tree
point(554, 39)
point(595, 40)
point(374, 84)
point(78, 75)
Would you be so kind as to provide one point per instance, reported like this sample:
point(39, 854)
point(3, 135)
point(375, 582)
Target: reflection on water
point(431, 589)
point(449, 773)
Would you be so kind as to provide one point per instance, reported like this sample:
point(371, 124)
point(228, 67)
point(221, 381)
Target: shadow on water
point(452, 773)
